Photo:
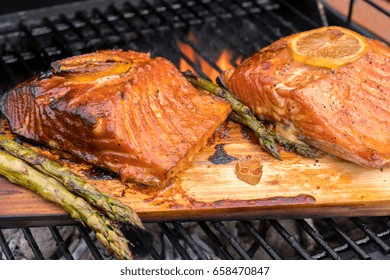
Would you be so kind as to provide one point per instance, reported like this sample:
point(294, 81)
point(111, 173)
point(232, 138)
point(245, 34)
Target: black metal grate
point(30, 41)
point(256, 239)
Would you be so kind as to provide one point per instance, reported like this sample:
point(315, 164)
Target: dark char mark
point(100, 173)
point(220, 156)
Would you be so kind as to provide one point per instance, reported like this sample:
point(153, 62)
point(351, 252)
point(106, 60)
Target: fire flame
point(223, 61)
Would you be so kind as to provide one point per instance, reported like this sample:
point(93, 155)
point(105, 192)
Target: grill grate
point(30, 41)
point(195, 240)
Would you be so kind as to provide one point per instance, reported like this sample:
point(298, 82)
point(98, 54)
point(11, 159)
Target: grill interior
point(328, 238)
point(31, 40)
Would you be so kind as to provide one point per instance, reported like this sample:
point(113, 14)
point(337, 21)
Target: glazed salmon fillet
point(121, 110)
point(344, 111)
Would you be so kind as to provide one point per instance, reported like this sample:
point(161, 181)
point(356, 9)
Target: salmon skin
point(344, 112)
point(121, 110)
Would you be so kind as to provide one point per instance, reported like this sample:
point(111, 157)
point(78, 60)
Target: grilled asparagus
point(19, 172)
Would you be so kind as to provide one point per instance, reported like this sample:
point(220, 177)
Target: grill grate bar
point(37, 48)
point(218, 245)
point(193, 245)
point(145, 21)
point(32, 243)
point(144, 18)
point(263, 38)
point(230, 238)
point(350, 10)
point(175, 241)
point(297, 12)
point(227, 39)
point(5, 248)
point(177, 14)
point(174, 45)
point(179, 18)
point(379, 8)
point(289, 28)
point(255, 46)
point(147, 24)
point(147, 243)
point(386, 221)
point(258, 18)
point(91, 245)
point(162, 24)
point(127, 22)
point(23, 64)
point(59, 38)
point(10, 79)
point(349, 240)
point(202, 54)
point(260, 240)
point(345, 246)
point(152, 25)
point(253, 249)
point(322, 13)
point(112, 27)
point(318, 238)
point(290, 239)
point(103, 43)
point(193, 65)
point(372, 235)
point(70, 24)
point(61, 243)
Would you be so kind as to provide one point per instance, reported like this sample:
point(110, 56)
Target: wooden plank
point(294, 187)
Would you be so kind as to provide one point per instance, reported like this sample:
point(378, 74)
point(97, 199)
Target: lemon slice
point(330, 46)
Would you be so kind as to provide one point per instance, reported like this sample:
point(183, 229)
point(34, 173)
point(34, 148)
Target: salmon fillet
point(344, 112)
point(124, 111)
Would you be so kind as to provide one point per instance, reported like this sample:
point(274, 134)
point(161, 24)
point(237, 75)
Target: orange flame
point(189, 52)
point(223, 62)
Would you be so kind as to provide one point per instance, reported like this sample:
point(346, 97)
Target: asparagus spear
point(298, 148)
point(111, 206)
point(266, 139)
point(19, 172)
point(242, 114)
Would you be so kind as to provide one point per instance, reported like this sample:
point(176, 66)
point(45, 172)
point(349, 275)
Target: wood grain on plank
point(294, 187)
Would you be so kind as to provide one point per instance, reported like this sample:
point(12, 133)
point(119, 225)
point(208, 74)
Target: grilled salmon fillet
point(122, 110)
point(344, 112)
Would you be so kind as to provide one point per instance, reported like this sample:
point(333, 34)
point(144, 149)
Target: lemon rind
point(327, 62)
